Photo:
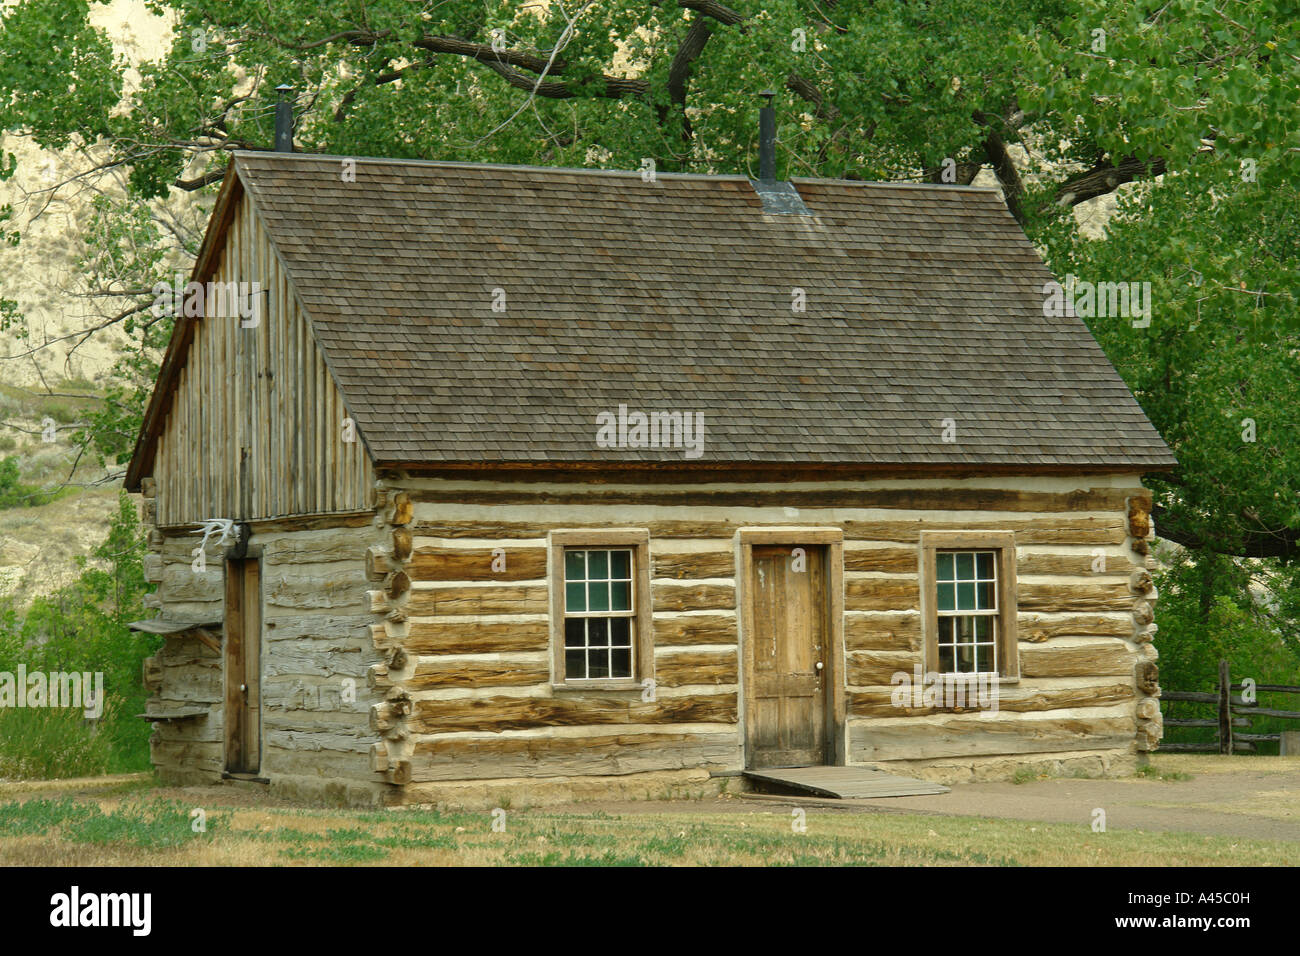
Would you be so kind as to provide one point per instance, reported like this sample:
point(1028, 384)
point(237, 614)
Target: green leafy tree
point(1062, 101)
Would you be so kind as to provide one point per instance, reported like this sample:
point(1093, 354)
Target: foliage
point(1063, 100)
point(14, 493)
point(82, 628)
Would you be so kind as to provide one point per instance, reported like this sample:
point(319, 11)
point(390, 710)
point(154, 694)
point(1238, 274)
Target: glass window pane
point(965, 635)
point(620, 663)
point(945, 630)
point(575, 632)
point(943, 566)
point(966, 597)
point(984, 564)
point(965, 566)
point(597, 565)
point(965, 658)
point(986, 594)
point(597, 631)
point(575, 664)
point(620, 564)
point(945, 660)
point(598, 663)
point(620, 631)
point(598, 596)
point(575, 565)
point(620, 596)
point(981, 629)
point(946, 597)
point(574, 596)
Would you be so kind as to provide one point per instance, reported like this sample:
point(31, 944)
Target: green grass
point(41, 743)
point(152, 826)
point(131, 829)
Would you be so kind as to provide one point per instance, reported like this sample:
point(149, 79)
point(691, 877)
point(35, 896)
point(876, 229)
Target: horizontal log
point(965, 736)
point(695, 564)
point(437, 674)
point(894, 631)
point(1055, 531)
point(1254, 711)
point(442, 528)
point(1073, 625)
point(1101, 659)
point(517, 713)
point(290, 587)
point(1084, 565)
point(476, 637)
point(478, 564)
point(1020, 698)
point(956, 498)
point(875, 668)
point(696, 629)
point(693, 597)
point(459, 758)
point(884, 560)
point(426, 602)
point(881, 594)
point(1099, 596)
point(1198, 697)
point(682, 669)
point(314, 547)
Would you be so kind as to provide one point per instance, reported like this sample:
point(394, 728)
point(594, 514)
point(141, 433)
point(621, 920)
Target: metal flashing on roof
point(780, 198)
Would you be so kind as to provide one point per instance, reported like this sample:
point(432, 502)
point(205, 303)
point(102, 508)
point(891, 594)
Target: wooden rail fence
point(1234, 713)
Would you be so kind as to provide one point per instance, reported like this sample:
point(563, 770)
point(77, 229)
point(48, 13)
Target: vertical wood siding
point(263, 393)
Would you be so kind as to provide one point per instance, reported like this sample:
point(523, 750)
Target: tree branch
point(1283, 543)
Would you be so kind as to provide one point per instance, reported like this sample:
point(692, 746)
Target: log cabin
point(559, 482)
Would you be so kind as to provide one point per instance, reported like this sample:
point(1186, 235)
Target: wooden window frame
point(1003, 543)
point(636, 540)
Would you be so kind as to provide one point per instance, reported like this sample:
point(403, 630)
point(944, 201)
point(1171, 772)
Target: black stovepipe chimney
point(767, 139)
point(283, 120)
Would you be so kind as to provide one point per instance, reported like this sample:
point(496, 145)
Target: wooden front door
point(787, 656)
point(243, 644)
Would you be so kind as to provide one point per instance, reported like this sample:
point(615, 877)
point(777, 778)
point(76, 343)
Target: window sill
point(603, 686)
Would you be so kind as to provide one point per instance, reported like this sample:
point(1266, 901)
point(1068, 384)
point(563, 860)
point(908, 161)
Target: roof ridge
point(592, 171)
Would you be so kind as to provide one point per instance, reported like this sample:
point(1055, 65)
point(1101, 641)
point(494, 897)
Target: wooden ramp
point(844, 783)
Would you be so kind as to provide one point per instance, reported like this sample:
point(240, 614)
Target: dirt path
point(1246, 797)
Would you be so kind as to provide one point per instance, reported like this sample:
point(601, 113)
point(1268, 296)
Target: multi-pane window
point(599, 613)
point(966, 598)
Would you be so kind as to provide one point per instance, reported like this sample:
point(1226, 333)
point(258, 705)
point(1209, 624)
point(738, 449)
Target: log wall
point(317, 656)
point(255, 428)
point(474, 698)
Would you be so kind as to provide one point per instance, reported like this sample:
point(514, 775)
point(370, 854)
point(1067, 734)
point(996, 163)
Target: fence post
point(1225, 708)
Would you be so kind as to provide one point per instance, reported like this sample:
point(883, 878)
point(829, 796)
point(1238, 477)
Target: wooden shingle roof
point(923, 303)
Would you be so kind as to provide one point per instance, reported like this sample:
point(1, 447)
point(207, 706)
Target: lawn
point(130, 822)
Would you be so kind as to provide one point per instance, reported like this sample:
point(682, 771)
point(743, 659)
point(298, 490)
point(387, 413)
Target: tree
point(1091, 94)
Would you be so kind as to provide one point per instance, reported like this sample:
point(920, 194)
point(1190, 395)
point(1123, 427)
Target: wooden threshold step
point(844, 783)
